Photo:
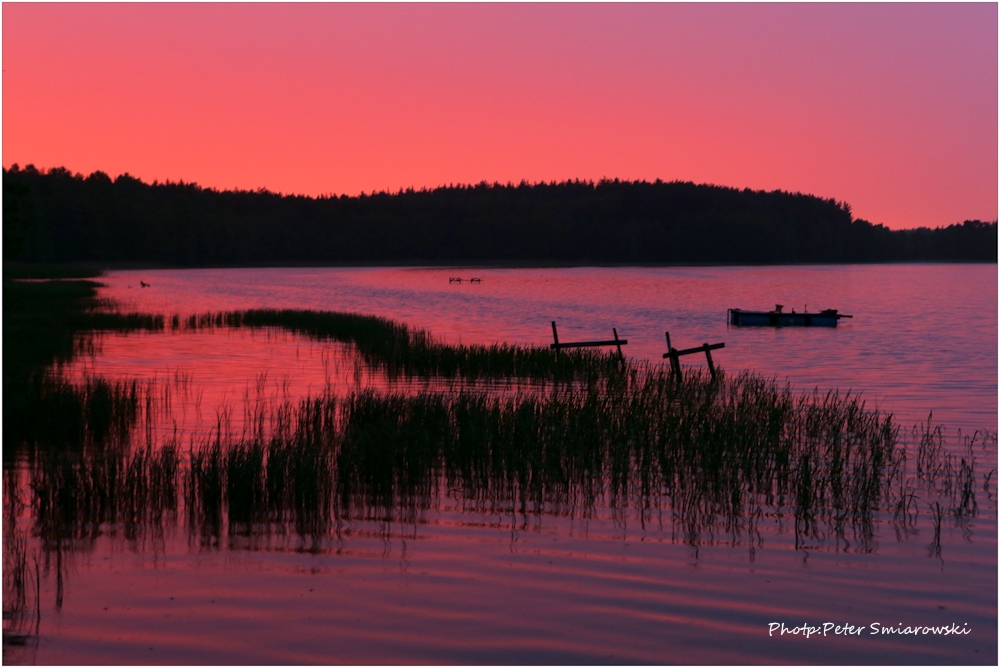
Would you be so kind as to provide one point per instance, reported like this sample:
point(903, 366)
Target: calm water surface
point(611, 585)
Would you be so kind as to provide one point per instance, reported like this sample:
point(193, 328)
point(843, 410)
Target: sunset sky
point(892, 108)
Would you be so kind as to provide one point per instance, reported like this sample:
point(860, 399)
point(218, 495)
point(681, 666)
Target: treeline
point(57, 216)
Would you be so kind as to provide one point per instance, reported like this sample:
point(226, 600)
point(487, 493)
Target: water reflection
point(736, 461)
point(741, 461)
point(21, 588)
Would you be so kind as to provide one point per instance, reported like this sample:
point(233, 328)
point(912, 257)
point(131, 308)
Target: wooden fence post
point(675, 363)
point(708, 356)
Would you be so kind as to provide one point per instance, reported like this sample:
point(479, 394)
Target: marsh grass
point(727, 460)
point(84, 494)
point(21, 589)
point(45, 324)
point(709, 459)
point(43, 320)
point(75, 440)
point(61, 415)
point(400, 350)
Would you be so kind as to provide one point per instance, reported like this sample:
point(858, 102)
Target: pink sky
point(892, 108)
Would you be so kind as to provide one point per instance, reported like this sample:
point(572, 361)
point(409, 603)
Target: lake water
point(460, 583)
point(923, 337)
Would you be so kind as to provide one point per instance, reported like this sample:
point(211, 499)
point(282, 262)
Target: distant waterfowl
point(144, 284)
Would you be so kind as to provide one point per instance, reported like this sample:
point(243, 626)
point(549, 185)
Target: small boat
point(779, 318)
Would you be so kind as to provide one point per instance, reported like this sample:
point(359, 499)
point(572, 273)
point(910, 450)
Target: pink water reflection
point(462, 589)
point(214, 379)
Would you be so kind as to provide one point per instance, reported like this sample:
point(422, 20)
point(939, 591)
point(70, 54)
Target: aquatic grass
point(399, 349)
point(42, 319)
point(21, 588)
point(119, 321)
point(205, 492)
point(46, 323)
point(58, 414)
point(245, 486)
point(934, 549)
point(85, 472)
point(714, 455)
point(709, 457)
point(79, 495)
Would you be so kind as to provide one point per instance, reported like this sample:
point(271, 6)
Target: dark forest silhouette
point(57, 216)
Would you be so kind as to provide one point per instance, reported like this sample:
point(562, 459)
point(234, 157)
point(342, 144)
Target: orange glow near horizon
point(892, 108)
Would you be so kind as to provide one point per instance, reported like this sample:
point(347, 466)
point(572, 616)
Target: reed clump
point(714, 456)
point(82, 495)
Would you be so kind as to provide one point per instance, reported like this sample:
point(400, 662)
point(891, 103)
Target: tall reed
point(713, 455)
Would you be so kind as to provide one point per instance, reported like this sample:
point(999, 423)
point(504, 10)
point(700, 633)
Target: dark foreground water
point(457, 563)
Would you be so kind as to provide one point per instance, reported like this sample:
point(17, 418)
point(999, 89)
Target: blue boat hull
point(741, 318)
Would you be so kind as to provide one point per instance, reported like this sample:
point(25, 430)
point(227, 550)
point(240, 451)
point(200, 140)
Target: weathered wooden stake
point(675, 364)
point(555, 335)
point(618, 343)
point(708, 356)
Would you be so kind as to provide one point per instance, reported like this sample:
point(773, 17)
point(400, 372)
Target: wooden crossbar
point(700, 349)
point(588, 344)
point(674, 354)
